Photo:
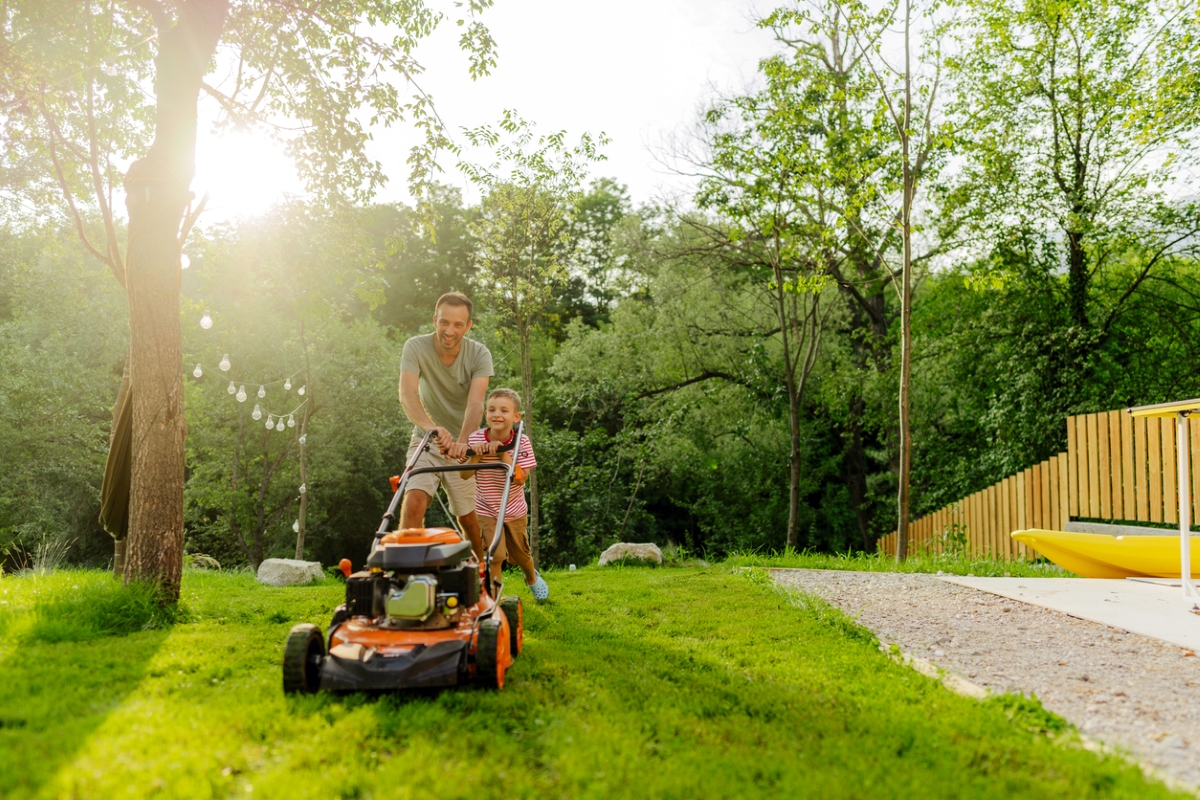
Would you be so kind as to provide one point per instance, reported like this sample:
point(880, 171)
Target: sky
point(638, 70)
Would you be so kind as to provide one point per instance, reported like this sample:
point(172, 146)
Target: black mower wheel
point(510, 604)
point(489, 672)
point(302, 657)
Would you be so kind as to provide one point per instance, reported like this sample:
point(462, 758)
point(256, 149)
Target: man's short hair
point(455, 299)
point(508, 393)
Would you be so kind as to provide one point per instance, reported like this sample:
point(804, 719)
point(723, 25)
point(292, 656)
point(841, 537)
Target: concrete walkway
point(1149, 607)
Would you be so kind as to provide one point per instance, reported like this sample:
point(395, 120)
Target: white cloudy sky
point(635, 69)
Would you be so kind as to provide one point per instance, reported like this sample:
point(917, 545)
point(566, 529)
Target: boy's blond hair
point(507, 393)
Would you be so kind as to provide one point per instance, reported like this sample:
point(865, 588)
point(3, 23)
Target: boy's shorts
point(460, 491)
point(514, 544)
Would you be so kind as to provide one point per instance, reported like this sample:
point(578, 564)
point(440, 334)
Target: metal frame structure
point(1180, 411)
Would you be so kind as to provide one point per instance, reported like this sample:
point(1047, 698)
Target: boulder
point(288, 571)
point(625, 551)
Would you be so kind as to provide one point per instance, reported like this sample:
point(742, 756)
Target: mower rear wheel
point(302, 657)
point(510, 604)
point(489, 672)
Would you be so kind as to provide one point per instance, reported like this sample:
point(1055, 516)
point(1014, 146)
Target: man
point(443, 381)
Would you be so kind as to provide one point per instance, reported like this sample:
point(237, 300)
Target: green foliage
point(671, 691)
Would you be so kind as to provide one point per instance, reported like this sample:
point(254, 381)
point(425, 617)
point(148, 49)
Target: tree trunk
point(304, 446)
point(905, 303)
point(527, 397)
point(157, 195)
point(1077, 279)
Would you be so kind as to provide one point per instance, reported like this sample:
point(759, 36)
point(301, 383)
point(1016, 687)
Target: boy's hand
point(487, 448)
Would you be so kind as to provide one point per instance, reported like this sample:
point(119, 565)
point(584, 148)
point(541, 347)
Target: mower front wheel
point(302, 657)
point(510, 604)
point(489, 670)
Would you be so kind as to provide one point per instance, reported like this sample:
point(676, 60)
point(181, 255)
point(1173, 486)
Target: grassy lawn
point(919, 562)
point(684, 682)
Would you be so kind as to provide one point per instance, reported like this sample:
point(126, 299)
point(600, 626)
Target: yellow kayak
point(1096, 555)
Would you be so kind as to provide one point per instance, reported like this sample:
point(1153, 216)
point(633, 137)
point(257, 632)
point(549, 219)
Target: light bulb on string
point(257, 413)
point(303, 438)
point(300, 391)
point(291, 421)
point(270, 424)
point(279, 424)
point(206, 321)
point(296, 526)
point(184, 261)
point(241, 395)
point(303, 488)
point(224, 365)
point(262, 391)
point(110, 68)
point(197, 372)
point(231, 388)
point(287, 385)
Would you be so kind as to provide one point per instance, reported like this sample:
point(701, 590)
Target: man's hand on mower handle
point(443, 438)
point(457, 451)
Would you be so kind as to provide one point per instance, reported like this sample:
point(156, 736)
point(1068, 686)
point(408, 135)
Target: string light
point(303, 488)
point(231, 388)
point(224, 365)
point(270, 423)
point(256, 414)
point(291, 421)
point(184, 261)
point(303, 438)
point(197, 372)
point(262, 391)
point(296, 526)
point(110, 68)
point(300, 391)
point(287, 385)
point(279, 424)
point(241, 395)
point(206, 321)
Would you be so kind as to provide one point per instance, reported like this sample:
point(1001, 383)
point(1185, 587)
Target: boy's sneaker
point(539, 588)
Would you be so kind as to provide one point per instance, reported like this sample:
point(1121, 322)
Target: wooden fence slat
point(1115, 462)
point(1154, 451)
point(1194, 429)
point(1071, 477)
point(1035, 502)
point(1080, 507)
point(1006, 515)
point(1170, 468)
point(1054, 522)
point(1063, 505)
point(1014, 514)
point(977, 521)
point(1129, 508)
point(1141, 463)
point(988, 518)
point(1104, 462)
point(1093, 469)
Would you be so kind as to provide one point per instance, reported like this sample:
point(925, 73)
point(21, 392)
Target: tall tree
point(521, 229)
point(1079, 129)
point(72, 97)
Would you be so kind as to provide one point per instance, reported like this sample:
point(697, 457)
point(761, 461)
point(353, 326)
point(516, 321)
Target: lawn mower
point(423, 613)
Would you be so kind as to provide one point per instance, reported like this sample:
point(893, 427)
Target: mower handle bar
point(410, 470)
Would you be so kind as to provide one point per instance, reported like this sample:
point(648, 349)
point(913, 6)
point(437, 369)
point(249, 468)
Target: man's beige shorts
point(460, 491)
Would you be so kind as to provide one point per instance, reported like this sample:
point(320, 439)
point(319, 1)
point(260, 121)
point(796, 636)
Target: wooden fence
point(1116, 469)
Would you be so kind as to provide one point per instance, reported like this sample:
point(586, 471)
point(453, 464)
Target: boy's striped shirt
point(489, 483)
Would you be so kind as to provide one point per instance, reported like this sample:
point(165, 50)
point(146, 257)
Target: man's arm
point(474, 412)
point(410, 401)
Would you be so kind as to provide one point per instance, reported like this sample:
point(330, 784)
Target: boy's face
point(502, 414)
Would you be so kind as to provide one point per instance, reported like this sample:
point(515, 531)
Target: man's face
point(502, 413)
point(450, 324)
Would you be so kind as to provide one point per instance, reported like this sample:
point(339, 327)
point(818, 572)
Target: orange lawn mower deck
point(422, 614)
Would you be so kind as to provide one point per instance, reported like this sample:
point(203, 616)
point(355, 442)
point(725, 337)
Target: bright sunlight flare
point(244, 174)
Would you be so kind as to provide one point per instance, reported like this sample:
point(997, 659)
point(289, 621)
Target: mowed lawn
point(673, 682)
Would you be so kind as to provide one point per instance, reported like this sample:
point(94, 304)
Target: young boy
point(502, 412)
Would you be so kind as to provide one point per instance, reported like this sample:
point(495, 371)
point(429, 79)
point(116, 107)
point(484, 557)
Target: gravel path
point(1132, 692)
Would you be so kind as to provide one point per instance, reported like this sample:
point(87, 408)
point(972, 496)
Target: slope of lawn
point(674, 682)
point(949, 564)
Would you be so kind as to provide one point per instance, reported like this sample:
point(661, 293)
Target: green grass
point(921, 562)
point(673, 682)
